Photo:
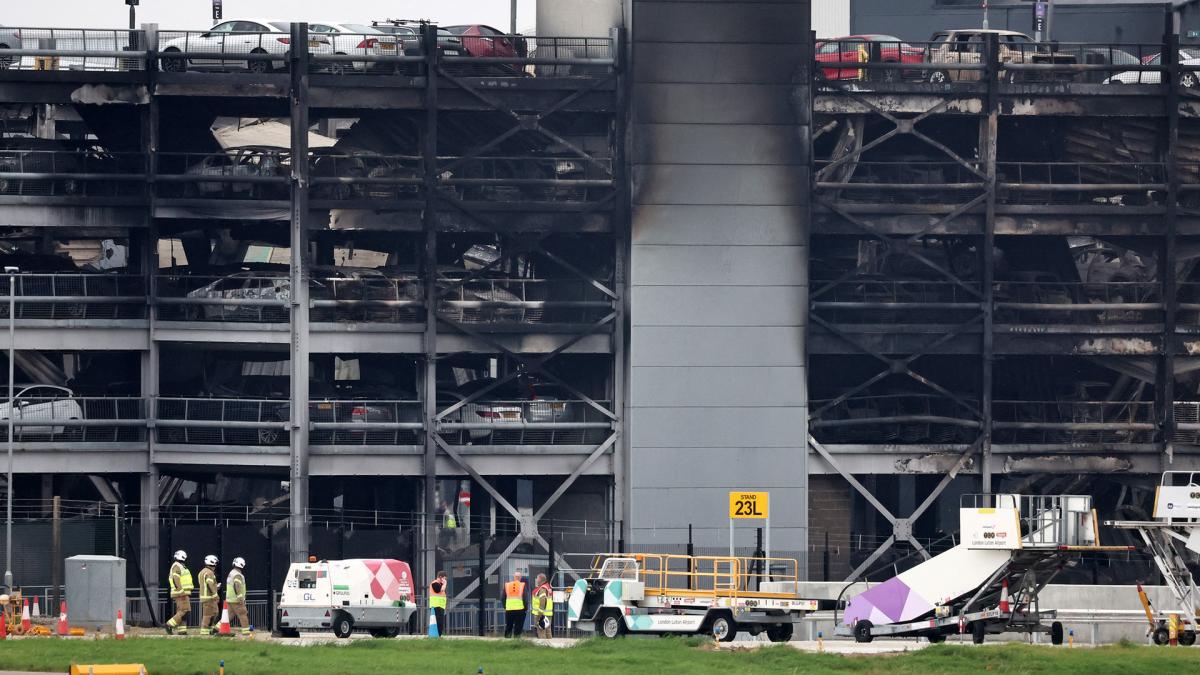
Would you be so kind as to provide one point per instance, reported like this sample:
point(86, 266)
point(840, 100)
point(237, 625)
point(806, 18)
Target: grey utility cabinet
point(95, 589)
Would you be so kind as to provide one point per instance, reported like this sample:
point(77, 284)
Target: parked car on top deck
point(356, 38)
point(10, 38)
point(230, 39)
point(966, 46)
point(1187, 79)
point(858, 48)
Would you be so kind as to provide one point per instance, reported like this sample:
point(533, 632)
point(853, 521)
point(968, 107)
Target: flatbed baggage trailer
point(690, 595)
point(1016, 543)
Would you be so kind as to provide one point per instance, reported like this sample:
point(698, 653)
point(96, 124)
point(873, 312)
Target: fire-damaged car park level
point(413, 264)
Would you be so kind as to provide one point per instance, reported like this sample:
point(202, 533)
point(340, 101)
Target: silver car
point(10, 38)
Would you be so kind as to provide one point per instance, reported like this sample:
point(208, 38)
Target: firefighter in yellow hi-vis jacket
point(210, 596)
point(235, 595)
point(180, 580)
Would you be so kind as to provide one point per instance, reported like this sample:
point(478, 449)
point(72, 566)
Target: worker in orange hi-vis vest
point(514, 606)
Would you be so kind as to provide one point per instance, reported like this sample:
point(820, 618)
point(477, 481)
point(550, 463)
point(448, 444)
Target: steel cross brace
point(528, 122)
point(900, 126)
point(529, 525)
point(901, 527)
point(897, 366)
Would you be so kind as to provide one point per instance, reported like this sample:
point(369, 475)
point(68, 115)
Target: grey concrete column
point(148, 555)
point(298, 536)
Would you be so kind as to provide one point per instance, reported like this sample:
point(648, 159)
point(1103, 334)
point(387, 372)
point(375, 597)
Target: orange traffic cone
point(37, 608)
point(64, 628)
point(1004, 596)
point(26, 625)
point(120, 630)
point(223, 629)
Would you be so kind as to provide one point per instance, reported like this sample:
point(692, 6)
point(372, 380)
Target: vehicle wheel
point(723, 627)
point(343, 625)
point(1161, 636)
point(978, 632)
point(268, 436)
point(1056, 633)
point(890, 75)
point(258, 65)
point(173, 64)
point(339, 67)
point(936, 638)
point(862, 631)
point(780, 632)
point(71, 187)
point(939, 77)
point(289, 632)
point(612, 626)
point(384, 633)
point(1188, 80)
point(1187, 639)
point(73, 433)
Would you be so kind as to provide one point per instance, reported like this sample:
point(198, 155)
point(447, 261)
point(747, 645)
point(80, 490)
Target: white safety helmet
point(181, 555)
point(210, 561)
point(239, 563)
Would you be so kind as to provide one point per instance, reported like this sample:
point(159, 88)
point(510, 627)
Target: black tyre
point(173, 64)
point(1056, 633)
point(891, 73)
point(1161, 636)
point(780, 632)
point(258, 65)
point(289, 632)
point(612, 626)
point(1188, 80)
point(936, 638)
point(268, 436)
point(384, 633)
point(723, 626)
point(1187, 639)
point(939, 77)
point(862, 631)
point(978, 632)
point(343, 625)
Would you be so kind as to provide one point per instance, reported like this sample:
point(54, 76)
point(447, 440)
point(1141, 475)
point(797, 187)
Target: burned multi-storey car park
point(1003, 277)
point(385, 280)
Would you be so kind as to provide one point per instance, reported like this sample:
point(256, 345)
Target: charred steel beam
point(429, 154)
point(1168, 269)
point(988, 130)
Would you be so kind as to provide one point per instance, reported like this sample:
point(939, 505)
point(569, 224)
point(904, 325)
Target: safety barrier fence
point(536, 422)
point(26, 172)
point(893, 418)
point(1073, 421)
point(75, 49)
point(244, 421)
point(1114, 302)
point(260, 49)
point(255, 173)
point(965, 57)
point(492, 300)
point(75, 296)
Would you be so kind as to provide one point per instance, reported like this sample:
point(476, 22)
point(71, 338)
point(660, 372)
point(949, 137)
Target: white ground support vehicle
point(1007, 540)
point(372, 594)
point(1172, 538)
point(43, 402)
point(690, 595)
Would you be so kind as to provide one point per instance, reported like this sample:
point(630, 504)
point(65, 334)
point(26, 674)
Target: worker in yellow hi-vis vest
point(235, 595)
point(180, 580)
point(543, 607)
point(210, 595)
point(514, 606)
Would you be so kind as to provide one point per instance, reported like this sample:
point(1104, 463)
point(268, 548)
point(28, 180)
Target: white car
point(10, 38)
point(356, 38)
point(43, 402)
point(1187, 78)
point(234, 38)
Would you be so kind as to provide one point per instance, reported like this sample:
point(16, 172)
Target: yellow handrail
point(721, 575)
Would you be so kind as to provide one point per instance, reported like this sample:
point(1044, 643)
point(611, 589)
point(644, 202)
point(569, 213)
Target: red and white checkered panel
point(390, 579)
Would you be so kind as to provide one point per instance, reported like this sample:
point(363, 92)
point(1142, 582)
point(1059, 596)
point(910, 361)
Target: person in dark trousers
point(514, 606)
point(437, 600)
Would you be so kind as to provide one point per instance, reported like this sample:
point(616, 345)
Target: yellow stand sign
point(745, 504)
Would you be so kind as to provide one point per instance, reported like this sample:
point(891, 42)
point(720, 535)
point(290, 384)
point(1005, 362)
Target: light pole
point(12, 407)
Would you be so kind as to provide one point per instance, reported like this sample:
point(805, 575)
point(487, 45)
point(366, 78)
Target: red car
point(482, 41)
point(853, 48)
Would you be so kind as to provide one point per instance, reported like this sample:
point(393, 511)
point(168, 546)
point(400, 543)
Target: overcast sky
point(830, 17)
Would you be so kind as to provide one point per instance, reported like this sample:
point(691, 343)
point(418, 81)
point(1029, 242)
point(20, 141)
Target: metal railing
point(365, 422)
point(1187, 423)
point(1045, 520)
point(367, 299)
point(236, 173)
point(1116, 302)
point(893, 418)
point(524, 301)
point(540, 179)
point(69, 418)
point(538, 422)
point(258, 608)
point(77, 49)
point(239, 297)
point(222, 421)
point(357, 176)
point(76, 296)
point(1073, 421)
point(71, 173)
